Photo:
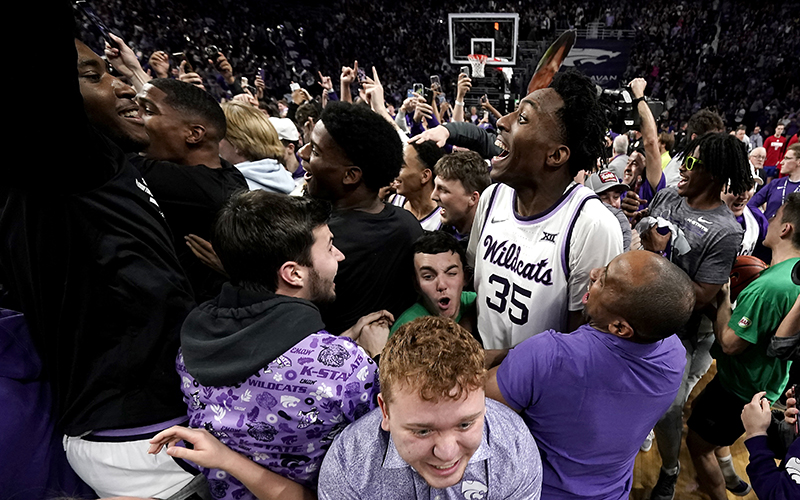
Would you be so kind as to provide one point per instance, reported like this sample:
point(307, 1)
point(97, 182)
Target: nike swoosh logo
point(703, 221)
point(494, 220)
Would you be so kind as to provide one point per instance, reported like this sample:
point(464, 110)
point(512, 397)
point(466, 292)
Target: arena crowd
point(265, 268)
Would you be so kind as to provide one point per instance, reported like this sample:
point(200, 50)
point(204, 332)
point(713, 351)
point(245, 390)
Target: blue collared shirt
point(364, 463)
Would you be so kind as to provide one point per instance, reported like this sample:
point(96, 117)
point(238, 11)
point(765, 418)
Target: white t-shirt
point(531, 271)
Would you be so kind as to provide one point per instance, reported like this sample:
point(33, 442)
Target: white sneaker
point(648, 442)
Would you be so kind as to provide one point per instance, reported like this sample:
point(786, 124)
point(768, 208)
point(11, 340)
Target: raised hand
point(159, 62)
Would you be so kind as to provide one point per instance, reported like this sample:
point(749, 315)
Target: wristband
point(459, 103)
point(635, 102)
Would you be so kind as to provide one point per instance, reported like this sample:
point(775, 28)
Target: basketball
point(745, 270)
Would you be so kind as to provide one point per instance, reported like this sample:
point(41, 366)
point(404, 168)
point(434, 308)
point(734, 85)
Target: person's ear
point(426, 175)
point(787, 230)
point(290, 148)
point(195, 133)
point(352, 176)
point(474, 198)
point(621, 329)
point(558, 157)
point(384, 412)
point(292, 274)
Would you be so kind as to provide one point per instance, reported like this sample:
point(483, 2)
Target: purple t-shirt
point(774, 195)
point(590, 399)
point(285, 416)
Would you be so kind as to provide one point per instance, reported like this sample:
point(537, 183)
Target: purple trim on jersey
point(435, 211)
point(571, 226)
point(491, 205)
point(543, 216)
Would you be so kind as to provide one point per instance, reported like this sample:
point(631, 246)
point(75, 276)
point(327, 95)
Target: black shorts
point(717, 415)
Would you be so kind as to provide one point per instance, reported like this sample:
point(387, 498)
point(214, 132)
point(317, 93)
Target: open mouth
point(682, 182)
point(444, 302)
point(446, 469)
point(131, 114)
point(504, 150)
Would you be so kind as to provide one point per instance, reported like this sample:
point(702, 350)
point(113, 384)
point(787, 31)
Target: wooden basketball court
point(648, 464)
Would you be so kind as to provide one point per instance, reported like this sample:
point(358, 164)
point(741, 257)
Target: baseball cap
point(285, 128)
point(602, 181)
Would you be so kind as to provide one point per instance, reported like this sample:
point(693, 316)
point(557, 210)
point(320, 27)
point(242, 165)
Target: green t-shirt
point(418, 310)
point(757, 313)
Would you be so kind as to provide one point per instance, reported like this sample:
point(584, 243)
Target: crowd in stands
point(738, 57)
point(268, 270)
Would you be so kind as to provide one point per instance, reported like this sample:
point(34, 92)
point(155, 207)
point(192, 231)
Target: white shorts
point(125, 468)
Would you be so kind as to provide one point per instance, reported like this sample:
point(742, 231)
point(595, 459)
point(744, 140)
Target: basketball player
point(537, 234)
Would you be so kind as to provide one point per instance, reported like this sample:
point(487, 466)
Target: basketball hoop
point(477, 61)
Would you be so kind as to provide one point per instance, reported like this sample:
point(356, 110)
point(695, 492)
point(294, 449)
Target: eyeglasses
point(690, 162)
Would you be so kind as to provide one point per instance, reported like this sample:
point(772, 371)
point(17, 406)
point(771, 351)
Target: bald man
point(622, 371)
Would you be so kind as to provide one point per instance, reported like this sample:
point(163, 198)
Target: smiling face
point(457, 204)
point(109, 102)
point(324, 163)
point(606, 284)
point(528, 136)
point(437, 439)
point(737, 202)
point(165, 125)
point(441, 279)
point(325, 260)
point(411, 178)
point(696, 181)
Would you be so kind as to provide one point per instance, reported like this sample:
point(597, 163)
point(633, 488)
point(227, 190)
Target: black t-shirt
point(191, 196)
point(377, 272)
point(89, 258)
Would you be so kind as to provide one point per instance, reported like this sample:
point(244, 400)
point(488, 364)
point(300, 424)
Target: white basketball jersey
point(521, 267)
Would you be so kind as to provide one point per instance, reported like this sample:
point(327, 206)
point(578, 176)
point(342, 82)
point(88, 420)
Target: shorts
point(717, 415)
point(770, 172)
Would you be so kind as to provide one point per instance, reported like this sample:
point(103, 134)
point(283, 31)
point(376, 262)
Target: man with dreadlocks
point(702, 237)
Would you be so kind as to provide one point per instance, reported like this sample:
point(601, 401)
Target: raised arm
point(649, 135)
point(125, 61)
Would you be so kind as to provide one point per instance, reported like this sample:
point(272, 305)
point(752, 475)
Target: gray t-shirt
point(624, 224)
point(363, 463)
point(714, 236)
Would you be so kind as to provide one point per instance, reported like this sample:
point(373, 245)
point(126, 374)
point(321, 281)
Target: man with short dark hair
point(260, 349)
point(352, 154)
point(440, 275)
point(461, 177)
point(744, 331)
point(622, 371)
point(183, 168)
point(415, 183)
point(435, 435)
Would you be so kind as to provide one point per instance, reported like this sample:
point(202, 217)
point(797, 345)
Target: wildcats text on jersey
point(500, 253)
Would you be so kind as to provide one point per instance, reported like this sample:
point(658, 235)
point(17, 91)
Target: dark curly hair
point(583, 120)
point(725, 158)
point(367, 140)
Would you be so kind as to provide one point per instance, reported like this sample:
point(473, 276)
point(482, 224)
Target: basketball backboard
point(492, 34)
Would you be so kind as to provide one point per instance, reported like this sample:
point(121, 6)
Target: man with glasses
point(695, 211)
point(775, 193)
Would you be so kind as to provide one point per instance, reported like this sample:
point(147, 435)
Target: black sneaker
point(740, 489)
point(665, 486)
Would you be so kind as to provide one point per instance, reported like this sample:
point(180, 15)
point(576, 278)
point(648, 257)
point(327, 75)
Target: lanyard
point(785, 186)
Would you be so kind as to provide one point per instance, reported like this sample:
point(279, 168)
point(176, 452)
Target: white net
point(478, 62)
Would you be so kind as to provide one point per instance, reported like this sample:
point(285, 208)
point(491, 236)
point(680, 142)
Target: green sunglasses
point(690, 162)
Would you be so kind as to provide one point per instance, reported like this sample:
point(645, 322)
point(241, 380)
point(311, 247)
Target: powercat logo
point(580, 57)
